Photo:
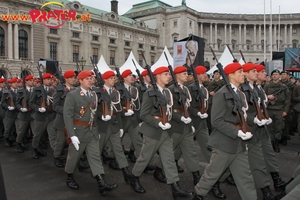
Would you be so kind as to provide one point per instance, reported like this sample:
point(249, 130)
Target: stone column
point(216, 37)
point(275, 38)
point(259, 37)
point(254, 37)
point(240, 37)
point(285, 36)
point(270, 38)
point(10, 41)
point(245, 37)
point(201, 30)
point(225, 34)
point(16, 42)
point(230, 39)
point(211, 35)
point(31, 43)
point(291, 36)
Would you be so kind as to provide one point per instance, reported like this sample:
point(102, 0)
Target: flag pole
point(264, 31)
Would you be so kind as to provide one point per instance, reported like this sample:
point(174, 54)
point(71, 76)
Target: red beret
point(13, 80)
point(259, 67)
point(126, 73)
point(160, 70)
point(69, 74)
point(29, 77)
point(38, 80)
point(180, 69)
point(83, 74)
point(144, 73)
point(19, 80)
point(108, 74)
point(248, 67)
point(47, 75)
point(232, 67)
point(200, 70)
point(2, 80)
point(92, 73)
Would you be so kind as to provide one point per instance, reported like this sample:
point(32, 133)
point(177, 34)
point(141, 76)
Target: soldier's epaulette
point(39, 88)
point(21, 91)
point(152, 93)
point(60, 88)
point(194, 87)
point(245, 87)
point(228, 96)
point(5, 91)
point(176, 89)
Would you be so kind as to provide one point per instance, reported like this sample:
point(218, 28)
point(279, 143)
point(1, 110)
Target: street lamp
point(82, 63)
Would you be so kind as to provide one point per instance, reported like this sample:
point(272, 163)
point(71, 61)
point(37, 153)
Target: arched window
point(2, 42)
point(23, 44)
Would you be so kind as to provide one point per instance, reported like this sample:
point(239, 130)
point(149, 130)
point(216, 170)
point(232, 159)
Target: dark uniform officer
point(2, 111)
point(157, 136)
point(278, 107)
point(227, 141)
point(80, 120)
point(24, 116)
point(11, 112)
point(59, 96)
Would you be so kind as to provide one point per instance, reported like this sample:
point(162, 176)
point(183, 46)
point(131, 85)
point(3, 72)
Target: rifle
point(11, 98)
point(263, 106)
point(200, 97)
point(234, 59)
point(143, 85)
point(42, 95)
point(24, 105)
point(177, 89)
point(232, 95)
point(155, 92)
point(121, 87)
point(243, 56)
point(60, 86)
point(101, 99)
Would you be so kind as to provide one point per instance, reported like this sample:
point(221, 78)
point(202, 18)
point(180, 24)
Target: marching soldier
point(256, 121)
point(227, 141)
point(109, 115)
point(296, 102)
point(267, 149)
point(157, 136)
point(79, 114)
point(278, 107)
point(24, 116)
point(41, 102)
point(2, 111)
point(181, 126)
point(58, 104)
point(8, 103)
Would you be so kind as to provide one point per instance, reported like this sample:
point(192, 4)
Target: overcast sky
point(218, 6)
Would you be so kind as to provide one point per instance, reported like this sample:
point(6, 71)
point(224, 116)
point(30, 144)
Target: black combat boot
point(216, 190)
point(71, 182)
point(149, 168)
point(178, 192)
point(105, 156)
point(125, 151)
point(131, 156)
point(158, 175)
point(280, 196)
point(135, 184)
point(103, 186)
point(58, 162)
point(283, 140)
point(20, 148)
point(276, 146)
point(127, 175)
point(113, 164)
point(7, 142)
point(196, 177)
point(179, 169)
point(230, 180)
point(41, 152)
point(198, 197)
point(35, 154)
point(267, 194)
point(279, 185)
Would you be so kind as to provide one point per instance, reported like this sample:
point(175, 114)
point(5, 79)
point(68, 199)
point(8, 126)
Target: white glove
point(106, 118)
point(259, 122)
point(163, 127)
point(168, 125)
point(193, 129)
point(129, 112)
point(10, 108)
point(140, 124)
point(121, 133)
point(269, 121)
point(75, 142)
point(186, 120)
point(42, 110)
point(202, 116)
point(23, 109)
point(244, 136)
